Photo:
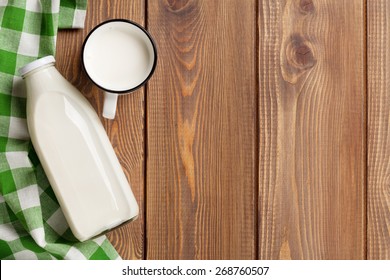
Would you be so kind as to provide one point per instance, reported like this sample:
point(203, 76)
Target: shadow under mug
point(119, 56)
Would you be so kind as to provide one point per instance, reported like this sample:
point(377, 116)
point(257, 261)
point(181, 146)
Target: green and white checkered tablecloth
point(32, 225)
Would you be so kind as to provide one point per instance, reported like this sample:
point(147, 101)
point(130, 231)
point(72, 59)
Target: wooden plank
point(312, 129)
point(201, 122)
point(378, 200)
point(126, 131)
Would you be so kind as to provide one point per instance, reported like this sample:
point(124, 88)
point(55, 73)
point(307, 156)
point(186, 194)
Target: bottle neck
point(42, 79)
point(38, 70)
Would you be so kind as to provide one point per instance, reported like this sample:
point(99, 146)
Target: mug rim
point(150, 39)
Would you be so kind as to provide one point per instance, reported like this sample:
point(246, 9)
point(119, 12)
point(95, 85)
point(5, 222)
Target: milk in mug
point(118, 56)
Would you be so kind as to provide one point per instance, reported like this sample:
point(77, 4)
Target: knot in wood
point(303, 55)
point(298, 58)
point(306, 6)
point(299, 54)
point(176, 5)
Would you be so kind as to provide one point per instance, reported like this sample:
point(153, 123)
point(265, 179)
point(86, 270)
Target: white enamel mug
point(119, 56)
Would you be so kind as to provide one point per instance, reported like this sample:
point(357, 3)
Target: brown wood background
point(263, 134)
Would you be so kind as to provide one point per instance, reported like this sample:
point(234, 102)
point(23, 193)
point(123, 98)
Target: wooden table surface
point(263, 134)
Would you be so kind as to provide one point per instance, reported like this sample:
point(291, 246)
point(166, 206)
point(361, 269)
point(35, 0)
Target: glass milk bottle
point(75, 153)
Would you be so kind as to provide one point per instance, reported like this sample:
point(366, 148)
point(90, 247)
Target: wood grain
point(255, 126)
point(201, 123)
point(127, 130)
point(312, 129)
point(378, 200)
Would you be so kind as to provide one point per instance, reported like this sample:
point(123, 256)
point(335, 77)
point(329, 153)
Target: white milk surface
point(118, 56)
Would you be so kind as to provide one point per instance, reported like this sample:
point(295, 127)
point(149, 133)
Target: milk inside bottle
point(75, 153)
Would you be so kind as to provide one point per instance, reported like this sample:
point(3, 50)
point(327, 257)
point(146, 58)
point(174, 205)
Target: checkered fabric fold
point(32, 225)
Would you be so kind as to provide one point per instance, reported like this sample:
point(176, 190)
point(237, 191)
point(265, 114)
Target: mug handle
point(109, 106)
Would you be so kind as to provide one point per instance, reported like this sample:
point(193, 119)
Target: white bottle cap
point(35, 64)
